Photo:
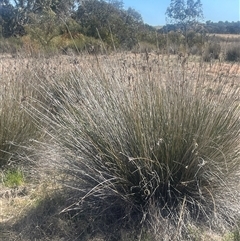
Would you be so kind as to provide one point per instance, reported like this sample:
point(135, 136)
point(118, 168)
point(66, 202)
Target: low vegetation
point(98, 26)
point(17, 128)
point(101, 143)
point(143, 147)
point(233, 53)
point(13, 178)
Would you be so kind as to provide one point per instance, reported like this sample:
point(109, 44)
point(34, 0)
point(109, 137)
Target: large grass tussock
point(149, 148)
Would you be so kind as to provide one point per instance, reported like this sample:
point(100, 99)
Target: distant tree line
point(208, 27)
point(45, 19)
point(223, 27)
point(107, 21)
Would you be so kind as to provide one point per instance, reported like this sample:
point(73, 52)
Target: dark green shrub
point(233, 53)
point(10, 45)
point(212, 52)
point(194, 38)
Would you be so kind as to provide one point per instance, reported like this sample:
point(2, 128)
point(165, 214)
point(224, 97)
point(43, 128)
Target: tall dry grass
point(17, 128)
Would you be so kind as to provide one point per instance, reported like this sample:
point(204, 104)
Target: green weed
point(13, 178)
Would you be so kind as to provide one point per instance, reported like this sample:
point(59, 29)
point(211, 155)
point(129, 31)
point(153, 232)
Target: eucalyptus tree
point(108, 20)
point(59, 7)
point(185, 13)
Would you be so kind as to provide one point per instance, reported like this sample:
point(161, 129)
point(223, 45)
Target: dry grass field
point(226, 36)
point(32, 209)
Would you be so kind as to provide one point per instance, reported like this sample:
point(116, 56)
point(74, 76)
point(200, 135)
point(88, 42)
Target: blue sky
point(153, 11)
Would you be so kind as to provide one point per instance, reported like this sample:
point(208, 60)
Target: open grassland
point(226, 36)
point(119, 147)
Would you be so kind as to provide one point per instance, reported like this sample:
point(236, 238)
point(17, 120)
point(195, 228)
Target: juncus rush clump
point(161, 150)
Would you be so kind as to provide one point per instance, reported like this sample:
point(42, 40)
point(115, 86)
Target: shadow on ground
point(44, 221)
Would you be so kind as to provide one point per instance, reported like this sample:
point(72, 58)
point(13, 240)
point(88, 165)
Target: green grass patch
point(13, 178)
